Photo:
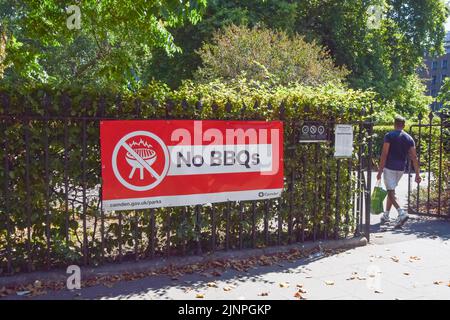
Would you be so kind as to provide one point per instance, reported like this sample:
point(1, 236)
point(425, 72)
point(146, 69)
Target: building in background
point(435, 71)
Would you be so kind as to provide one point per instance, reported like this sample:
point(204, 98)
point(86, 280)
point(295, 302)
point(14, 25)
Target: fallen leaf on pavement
point(200, 296)
point(206, 274)
point(395, 259)
point(378, 291)
point(284, 285)
point(329, 283)
point(263, 294)
point(226, 289)
point(218, 264)
point(406, 273)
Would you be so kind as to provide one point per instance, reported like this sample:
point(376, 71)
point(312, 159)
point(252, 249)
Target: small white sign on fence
point(343, 142)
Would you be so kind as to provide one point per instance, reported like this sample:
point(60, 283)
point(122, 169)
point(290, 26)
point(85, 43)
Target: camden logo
point(140, 160)
point(267, 194)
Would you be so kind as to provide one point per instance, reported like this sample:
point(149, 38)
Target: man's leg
point(388, 204)
point(392, 200)
point(388, 182)
point(402, 216)
point(385, 217)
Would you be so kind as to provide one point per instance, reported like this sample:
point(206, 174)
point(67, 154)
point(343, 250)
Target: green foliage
point(127, 44)
point(444, 94)
point(300, 101)
point(3, 40)
point(262, 54)
point(408, 97)
point(311, 166)
point(114, 42)
point(384, 59)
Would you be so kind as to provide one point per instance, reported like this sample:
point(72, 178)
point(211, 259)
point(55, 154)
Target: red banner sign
point(165, 163)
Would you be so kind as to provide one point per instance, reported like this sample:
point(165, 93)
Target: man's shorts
point(391, 178)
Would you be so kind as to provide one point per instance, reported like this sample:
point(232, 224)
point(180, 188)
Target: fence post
point(46, 106)
point(337, 214)
point(101, 113)
point(419, 153)
point(85, 106)
point(441, 146)
point(26, 128)
point(198, 229)
point(430, 118)
point(213, 228)
point(369, 175)
point(6, 110)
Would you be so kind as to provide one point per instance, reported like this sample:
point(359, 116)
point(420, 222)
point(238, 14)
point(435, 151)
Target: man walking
point(397, 147)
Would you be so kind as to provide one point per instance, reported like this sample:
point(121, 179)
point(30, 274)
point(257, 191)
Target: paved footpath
point(412, 263)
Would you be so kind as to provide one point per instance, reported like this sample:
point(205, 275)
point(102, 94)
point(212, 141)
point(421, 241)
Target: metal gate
point(432, 196)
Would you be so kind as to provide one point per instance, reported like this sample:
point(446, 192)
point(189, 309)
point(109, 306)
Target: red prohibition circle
point(140, 160)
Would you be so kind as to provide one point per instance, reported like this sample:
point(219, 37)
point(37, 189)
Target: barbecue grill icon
point(146, 152)
point(140, 154)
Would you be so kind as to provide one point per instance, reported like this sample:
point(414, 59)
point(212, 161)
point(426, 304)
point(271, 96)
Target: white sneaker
point(402, 218)
point(385, 218)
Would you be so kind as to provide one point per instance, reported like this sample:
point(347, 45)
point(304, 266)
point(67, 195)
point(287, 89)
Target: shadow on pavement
point(417, 227)
point(426, 228)
point(160, 285)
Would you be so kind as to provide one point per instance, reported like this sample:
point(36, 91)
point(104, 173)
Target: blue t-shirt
point(400, 143)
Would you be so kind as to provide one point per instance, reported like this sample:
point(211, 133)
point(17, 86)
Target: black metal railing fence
point(50, 205)
point(432, 197)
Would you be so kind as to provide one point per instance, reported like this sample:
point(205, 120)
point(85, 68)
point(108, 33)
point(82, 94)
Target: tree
point(3, 40)
point(260, 54)
point(114, 41)
point(444, 97)
point(383, 58)
point(408, 96)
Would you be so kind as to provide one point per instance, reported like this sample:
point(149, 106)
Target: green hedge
point(319, 210)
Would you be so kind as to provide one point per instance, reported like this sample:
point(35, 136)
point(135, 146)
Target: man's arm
point(384, 154)
point(413, 156)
